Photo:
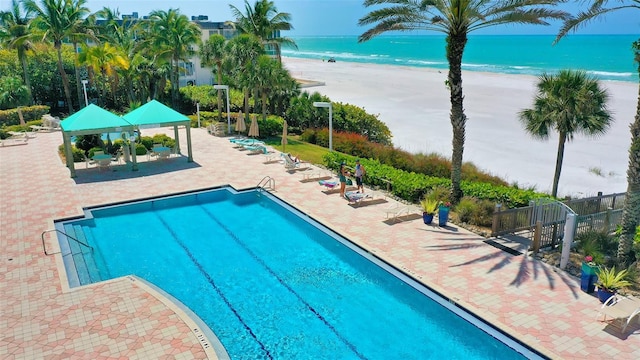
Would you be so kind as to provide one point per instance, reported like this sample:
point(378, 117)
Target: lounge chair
point(294, 165)
point(621, 310)
point(328, 184)
point(357, 198)
point(257, 149)
point(396, 212)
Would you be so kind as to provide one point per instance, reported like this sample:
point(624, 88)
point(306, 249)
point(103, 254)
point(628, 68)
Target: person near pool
point(360, 171)
point(342, 175)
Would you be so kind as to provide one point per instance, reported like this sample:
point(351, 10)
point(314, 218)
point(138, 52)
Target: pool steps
point(86, 269)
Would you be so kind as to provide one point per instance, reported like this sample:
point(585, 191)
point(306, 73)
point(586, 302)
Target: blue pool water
point(272, 284)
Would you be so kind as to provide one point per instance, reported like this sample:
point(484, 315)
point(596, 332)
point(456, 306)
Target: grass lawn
point(305, 151)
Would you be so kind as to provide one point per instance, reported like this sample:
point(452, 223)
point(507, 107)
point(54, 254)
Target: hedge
point(29, 113)
point(412, 187)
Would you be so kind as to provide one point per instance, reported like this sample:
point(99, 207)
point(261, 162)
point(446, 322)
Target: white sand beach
point(414, 103)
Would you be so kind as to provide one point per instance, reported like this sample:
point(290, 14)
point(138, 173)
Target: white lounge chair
point(294, 165)
point(621, 310)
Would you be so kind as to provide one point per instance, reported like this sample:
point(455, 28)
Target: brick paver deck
point(42, 318)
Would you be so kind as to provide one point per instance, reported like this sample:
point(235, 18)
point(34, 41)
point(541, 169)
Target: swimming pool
point(274, 284)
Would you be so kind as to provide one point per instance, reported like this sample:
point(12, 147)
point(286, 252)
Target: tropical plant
point(173, 36)
point(15, 33)
point(12, 92)
point(104, 59)
point(243, 50)
point(58, 20)
point(611, 280)
point(429, 206)
point(456, 19)
point(265, 22)
point(212, 53)
point(570, 102)
point(631, 211)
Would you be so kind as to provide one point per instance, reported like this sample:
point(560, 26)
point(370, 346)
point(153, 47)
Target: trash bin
point(588, 277)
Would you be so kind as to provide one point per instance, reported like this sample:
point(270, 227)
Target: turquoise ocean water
point(608, 57)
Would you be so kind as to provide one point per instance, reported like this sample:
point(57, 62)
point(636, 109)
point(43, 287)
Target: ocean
point(607, 57)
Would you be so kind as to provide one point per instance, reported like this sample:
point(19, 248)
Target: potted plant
point(443, 213)
point(589, 274)
point(429, 207)
point(610, 281)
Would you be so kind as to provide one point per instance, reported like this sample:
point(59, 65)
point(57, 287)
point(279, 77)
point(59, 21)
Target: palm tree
point(106, 60)
point(242, 51)
point(456, 19)
point(12, 92)
point(58, 20)
point(570, 102)
point(174, 35)
point(212, 53)
point(265, 22)
point(631, 210)
point(15, 33)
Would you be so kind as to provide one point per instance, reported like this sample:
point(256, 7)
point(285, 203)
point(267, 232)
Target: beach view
point(284, 179)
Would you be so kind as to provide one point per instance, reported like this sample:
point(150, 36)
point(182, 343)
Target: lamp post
point(322, 104)
point(84, 87)
point(226, 89)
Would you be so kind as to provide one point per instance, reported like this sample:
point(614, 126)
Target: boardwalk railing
point(544, 219)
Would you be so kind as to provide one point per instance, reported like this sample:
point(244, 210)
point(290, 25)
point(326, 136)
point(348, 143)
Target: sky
point(340, 17)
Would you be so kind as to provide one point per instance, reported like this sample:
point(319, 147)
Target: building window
point(186, 69)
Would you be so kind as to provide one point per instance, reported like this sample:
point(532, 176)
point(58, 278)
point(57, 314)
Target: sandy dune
point(414, 103)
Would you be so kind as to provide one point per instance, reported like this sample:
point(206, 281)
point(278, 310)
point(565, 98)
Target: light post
point(226, 89)
point(322, 104)
point(84, 87)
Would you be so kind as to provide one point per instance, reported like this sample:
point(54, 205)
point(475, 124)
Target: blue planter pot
point(427, 218)
point(588, 278)
point(443, 215)
point(604, 295)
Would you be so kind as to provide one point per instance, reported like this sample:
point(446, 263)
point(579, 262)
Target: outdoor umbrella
point(240, 124)
point(284, 135)
point(253, 129)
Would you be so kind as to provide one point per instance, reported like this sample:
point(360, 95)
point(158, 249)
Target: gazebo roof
point(93, 120)
point(155, 114)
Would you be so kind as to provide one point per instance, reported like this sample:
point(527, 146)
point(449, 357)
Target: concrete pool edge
point(210, 343)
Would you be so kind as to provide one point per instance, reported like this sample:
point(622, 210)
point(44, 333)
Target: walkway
point(42, 319)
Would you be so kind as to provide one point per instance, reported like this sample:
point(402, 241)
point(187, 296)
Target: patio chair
point(291, 165)
point(621, 310)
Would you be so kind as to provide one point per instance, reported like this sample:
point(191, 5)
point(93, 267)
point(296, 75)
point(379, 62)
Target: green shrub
point(78, 154)
point(147, 142)
point(466, 208)
point(164, 140)
point(92, 151)
point(597, 244)
point(29, 113)
point(141, 150)
point(483, 214)
point(87, 142)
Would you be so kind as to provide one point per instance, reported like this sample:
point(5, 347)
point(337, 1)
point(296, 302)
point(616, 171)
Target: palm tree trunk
point(264, 106)
point(65, 80)
point(25, 71)
point(219, 76)
point(556, 176)
point(77, 73)
point(631, 210)
point(455, 49)
point(246, 101)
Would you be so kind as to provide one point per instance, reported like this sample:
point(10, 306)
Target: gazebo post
point(134, 156)
point(175, 133)
point(189, 151)
point(69, 154)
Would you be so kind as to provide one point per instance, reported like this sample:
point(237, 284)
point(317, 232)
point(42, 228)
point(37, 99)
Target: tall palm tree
point(243, 50)
point(212, 53)
point(174, 35)
point(264, 21)
point(456, 19)
point(15, 33)
point(106, 60)
point(570, 102)
point(58, 20)
point(631, 210)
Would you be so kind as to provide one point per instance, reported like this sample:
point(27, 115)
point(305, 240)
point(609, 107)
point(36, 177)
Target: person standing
point(360, 171)
point(342, 175)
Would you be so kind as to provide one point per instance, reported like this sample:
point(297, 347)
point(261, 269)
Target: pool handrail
point(44, 247)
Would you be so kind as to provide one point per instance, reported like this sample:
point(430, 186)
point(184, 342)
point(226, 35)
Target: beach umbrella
point(253, 129)
point(284, 135)
point(240, 124)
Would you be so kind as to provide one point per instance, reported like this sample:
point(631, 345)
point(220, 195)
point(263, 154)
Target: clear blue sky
point(340, 17)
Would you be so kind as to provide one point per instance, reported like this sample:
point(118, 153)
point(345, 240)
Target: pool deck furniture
point(291, 165)
point(621, 311)
point(161, 152)
point(535, 302)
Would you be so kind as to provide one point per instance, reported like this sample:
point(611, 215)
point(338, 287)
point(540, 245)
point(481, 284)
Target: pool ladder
point(267, 183)
point(44, 247)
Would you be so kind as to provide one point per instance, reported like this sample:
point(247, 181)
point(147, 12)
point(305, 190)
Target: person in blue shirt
point(360, 171)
